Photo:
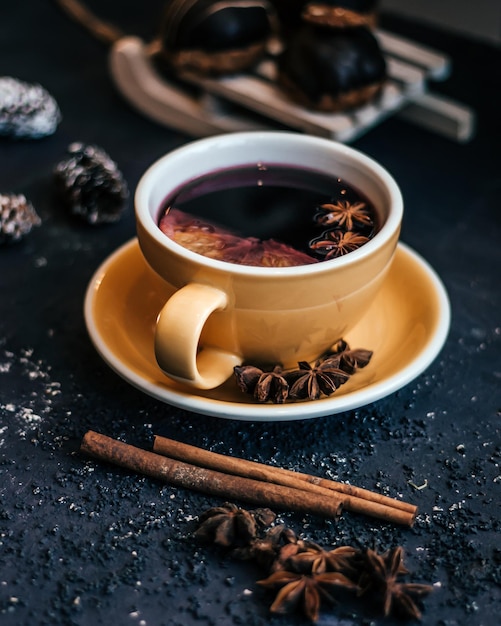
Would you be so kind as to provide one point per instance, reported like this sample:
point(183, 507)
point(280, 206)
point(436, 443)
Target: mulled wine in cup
point(275, 243)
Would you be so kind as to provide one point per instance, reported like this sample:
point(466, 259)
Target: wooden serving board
point(251, 101)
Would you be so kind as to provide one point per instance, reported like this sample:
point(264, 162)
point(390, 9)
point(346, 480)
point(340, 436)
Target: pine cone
point(17, 217)
point(91, 185)
point(26, 110)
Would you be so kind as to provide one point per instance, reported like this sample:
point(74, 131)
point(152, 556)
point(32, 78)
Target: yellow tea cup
point(223, 314)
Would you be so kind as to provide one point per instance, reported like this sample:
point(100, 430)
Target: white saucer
point(406, 327)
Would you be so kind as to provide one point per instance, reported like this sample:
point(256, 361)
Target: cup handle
point(177, 338)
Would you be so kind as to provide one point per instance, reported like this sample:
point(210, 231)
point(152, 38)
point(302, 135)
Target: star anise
point(264, 517)
point(315, 559)
point(227, 525)
point(345, 214)
point(340, 346)
point(304, 590)
point(263, 385)
point(267, 550)
point(335, 243)
point(381, 575)
point(310, 382)
point(352, 360)
point(349, 360)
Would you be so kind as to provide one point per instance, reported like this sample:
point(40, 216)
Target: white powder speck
point(28, 415)
point(32, 392)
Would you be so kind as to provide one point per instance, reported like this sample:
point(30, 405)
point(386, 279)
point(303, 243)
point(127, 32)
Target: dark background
point(84, 543)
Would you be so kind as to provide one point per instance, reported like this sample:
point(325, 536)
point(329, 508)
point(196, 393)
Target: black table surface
point(82, 542)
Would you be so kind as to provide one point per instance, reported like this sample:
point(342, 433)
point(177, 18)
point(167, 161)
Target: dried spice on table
point(307, 576)
point(307, 591)
point(251, 535)
point(271, 549)
point(314, 558)
point(380, 578)
point(231, 526)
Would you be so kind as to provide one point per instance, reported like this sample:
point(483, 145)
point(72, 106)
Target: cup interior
point(201, 157)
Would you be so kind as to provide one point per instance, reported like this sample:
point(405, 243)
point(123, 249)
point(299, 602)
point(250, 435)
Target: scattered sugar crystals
point(23, 407)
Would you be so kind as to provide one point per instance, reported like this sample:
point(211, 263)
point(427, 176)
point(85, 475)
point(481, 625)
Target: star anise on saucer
point(308, 381)
point(227, 525)
point(349, 216)
point(305, 591)
point(311, 381)
point(352, 360)
point(335, 243)
point(349, 360)
point(381, 577)
point(262, 384)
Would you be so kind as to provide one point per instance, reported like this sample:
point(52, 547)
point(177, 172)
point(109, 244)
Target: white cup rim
point(149, 222)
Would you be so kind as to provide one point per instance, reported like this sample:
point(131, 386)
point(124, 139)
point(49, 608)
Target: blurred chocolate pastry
point(289, 13)
point(211, 37)
point(340, 13)
point(331, 70)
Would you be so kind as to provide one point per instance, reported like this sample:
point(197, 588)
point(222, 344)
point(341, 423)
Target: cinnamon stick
point(354, 499)
point(188, 476)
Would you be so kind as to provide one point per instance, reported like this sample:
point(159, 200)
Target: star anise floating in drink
point(351, 225)
point(308, 381)
point(335, 243)
point(348, 215)
point(307, 577)
point(329, 229)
